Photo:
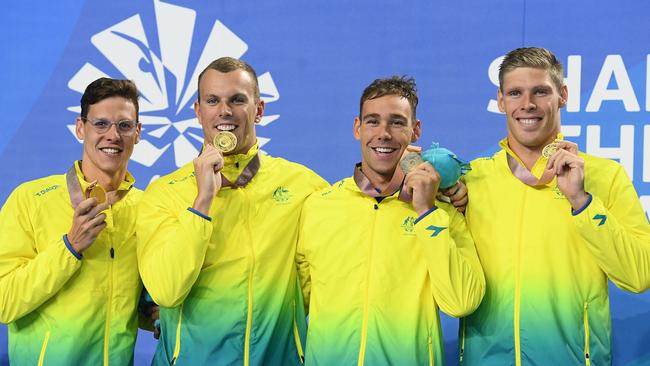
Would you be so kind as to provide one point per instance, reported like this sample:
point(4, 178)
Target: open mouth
point(110, 150)
point(382, 150)
point(226, 127)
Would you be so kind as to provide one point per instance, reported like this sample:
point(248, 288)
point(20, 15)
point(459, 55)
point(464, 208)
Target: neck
point(110, 182)
point(381, 181)
point(528, 156)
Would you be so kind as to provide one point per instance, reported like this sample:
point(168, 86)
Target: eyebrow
point(376, 115)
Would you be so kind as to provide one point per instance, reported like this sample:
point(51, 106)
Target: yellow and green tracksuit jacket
point(226, 283)
point(373, 276)
point(546, 267)
point(63, 310)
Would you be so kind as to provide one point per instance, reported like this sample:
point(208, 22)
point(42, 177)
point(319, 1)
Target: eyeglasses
point(125, 127)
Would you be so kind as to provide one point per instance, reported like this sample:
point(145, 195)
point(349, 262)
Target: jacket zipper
point(296, 336)
point(586, 321)
point(41, 358)
point(462, 341)
point(518, 292)
point(109, 303)
point(249, 314)
point(430, 346)
point(177, 344)
point(364, 325)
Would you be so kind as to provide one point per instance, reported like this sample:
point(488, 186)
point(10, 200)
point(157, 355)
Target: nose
point(223, 109)
point(384, 132)
point(112, 134)
point(528, 104)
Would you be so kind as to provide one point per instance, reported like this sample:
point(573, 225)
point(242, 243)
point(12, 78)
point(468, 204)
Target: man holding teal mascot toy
point(377, 254)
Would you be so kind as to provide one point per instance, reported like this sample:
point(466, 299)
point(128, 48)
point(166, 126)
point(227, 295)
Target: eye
point(239, 99)
point(398, 122)
point(541, 92)
point(514, 93)
point(211, 101)
point(372, 121)
point(100, 123)
point(125, 125)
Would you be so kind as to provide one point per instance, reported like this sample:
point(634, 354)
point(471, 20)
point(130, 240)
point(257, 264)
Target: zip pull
point(112, 253)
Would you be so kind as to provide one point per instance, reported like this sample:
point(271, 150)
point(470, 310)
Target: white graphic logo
point(166, 92)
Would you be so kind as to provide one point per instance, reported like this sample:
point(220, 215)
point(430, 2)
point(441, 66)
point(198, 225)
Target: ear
point(417, 130)
point(197, 110)
point(564, 96)
point(502, 107)
point(260, 111)
point(356, 128)
point(79, 128)
point(138, 131)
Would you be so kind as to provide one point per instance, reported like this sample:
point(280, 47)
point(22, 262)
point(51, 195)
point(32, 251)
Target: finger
point(460, 202)
point(97, 221)
point(85, 206)
point(567, 146)
point(413, 148)
point(97, 209)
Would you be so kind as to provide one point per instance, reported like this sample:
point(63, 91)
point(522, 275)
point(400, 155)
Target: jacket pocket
point(177, 342)
point(41, 358)
point(586, 324)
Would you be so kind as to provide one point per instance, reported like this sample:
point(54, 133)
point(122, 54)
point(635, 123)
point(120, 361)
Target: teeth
point(385, 150)
point(109, 150)
point(226, 127)
point(528, 121)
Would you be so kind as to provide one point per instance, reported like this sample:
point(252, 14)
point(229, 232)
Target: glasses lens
point(101, 125)
point(125, 126)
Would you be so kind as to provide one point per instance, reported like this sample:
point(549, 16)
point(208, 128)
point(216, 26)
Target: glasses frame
point(131, 132)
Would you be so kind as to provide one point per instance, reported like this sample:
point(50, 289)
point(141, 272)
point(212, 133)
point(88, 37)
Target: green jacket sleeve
point(456, 275)
point(28, 277)
point(618, 234)
point(172, 242)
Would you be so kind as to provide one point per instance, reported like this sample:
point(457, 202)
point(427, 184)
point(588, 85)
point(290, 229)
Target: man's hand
point(207, 167)
point(87, 223)
point(457, 195)
point(155, 316)
point(422, 184)
point(570, 171)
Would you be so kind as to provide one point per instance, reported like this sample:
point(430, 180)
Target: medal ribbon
point(369, 189)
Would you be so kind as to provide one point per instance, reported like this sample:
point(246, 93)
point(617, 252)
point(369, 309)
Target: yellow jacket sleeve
point(456, 275)
point(28, 277)
point(618, 234)
point(172, 242)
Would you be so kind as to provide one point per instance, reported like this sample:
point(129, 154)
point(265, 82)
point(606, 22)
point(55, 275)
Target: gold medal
point(549, 150)
point(410, 161)
point(95, 190)
point(225, 141)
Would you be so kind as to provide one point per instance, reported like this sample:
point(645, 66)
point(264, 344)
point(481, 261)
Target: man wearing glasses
point(69, 283)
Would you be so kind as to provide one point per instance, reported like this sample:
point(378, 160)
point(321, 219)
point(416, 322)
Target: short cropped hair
point(538, 58)
point(228, 64)
point(396, 85)
point(104, 88)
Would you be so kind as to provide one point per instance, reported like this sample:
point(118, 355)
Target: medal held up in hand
point(95, 190)
point(225, 141)
point(446, 163)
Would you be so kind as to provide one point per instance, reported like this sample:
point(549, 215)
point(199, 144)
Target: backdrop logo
point(166, 78)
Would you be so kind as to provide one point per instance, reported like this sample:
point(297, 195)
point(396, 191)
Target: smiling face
point(228, 103)
point(532, 103)
point(385, 128)
point(107, 154)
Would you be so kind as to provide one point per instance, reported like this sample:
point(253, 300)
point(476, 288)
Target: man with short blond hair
point(551, 226)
